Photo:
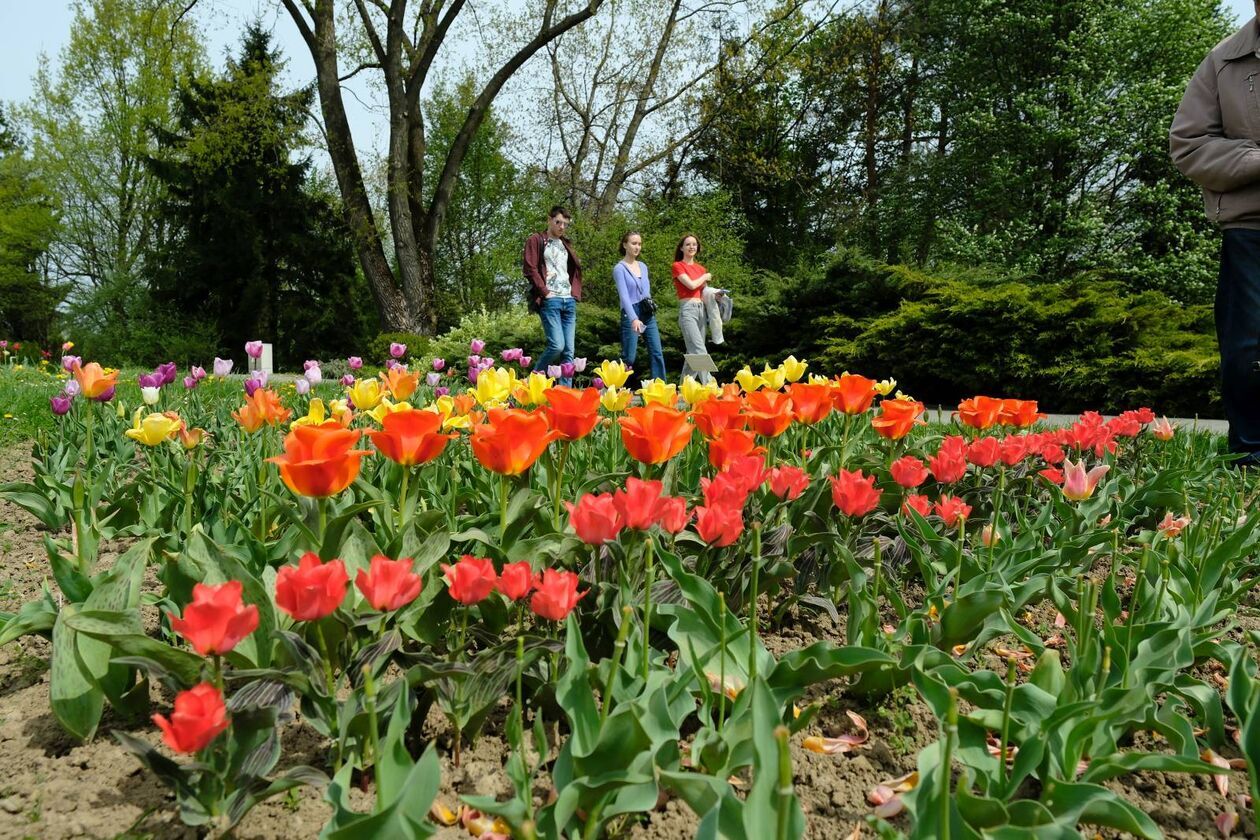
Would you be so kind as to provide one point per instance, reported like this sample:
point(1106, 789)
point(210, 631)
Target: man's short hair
point(558, 210)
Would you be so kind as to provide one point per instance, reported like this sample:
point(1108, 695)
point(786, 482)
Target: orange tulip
point(1019, 413)
point(318, 460)
point(980, 412)
point(400, 382)
point(732, 444)
point(810, 403)
point(411, 437)
point(464, 403)
point(654, 433)
point(717, 414)
point(852, 394)
point(572, 412)
point(897, 417)
point(262, 407)
point(94, 380)
point(769, 412)
point(511, 440)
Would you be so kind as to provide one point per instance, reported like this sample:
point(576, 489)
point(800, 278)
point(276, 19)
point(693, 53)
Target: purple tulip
point(433, 378)
point(487, 362)
point(4, 345)
point(302, 385)
point(309, 363)
point(390, 364)
point(260, 376)
point(512, 355)
point(167, 372)
point(476, 345)
point(474, 361)
point(597, 383)
point(69, 362)
point(567, 370)
point(72, 388)
point(355, 362)
point(314, 375)
point(106, 395)
point(150, 380)
point(190, 382)
point(579, 364)
point(554, 371)
point(198, 372)
point(473, 374)
point(397, 350)
point(253, 349)
point(222, 367)
point(251, 385)
point(441, 391)
point(347, 380)
point(526, 361)
point(439, 363)
point(60, 404)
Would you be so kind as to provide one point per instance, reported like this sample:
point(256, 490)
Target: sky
point(28, 29)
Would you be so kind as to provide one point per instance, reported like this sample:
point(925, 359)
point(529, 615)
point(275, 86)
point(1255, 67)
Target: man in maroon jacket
point(555, 287)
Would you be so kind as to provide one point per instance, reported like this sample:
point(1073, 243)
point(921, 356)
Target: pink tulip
point(476, 345)
point(254, 349)
point(1078, 484)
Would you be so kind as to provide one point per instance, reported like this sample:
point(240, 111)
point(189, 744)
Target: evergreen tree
point(258, 250)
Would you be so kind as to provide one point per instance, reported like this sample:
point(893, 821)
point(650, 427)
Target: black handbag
point(647, 308)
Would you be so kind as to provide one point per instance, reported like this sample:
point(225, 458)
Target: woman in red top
point(690, 278)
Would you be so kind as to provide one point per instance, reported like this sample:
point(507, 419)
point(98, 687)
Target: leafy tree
point(256, 248)
point(28, 224)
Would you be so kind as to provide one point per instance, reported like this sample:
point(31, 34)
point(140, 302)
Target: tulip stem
point(557, 481)
point(619, 649)
point(369, 694)
point(752, 604)
point(218, 672)
point(402, 499)
point(326, 656)
point(785, 791)
point(322, 504)
point(647, 605)
point(721, 689)
point(947, 760)
point(503, 508)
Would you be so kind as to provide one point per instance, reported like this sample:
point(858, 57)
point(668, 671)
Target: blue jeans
point(630, 343)
point(559, 321)
point(1238, 332)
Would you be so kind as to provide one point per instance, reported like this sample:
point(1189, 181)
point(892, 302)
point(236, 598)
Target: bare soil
point(54, 788)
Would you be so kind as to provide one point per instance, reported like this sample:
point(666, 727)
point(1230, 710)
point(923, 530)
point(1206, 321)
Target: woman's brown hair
point(678, 254)
point(625, 237)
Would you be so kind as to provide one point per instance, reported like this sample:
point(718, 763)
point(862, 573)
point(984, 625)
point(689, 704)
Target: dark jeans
point(630, 343)
point(559, 321)
point(1238, 332)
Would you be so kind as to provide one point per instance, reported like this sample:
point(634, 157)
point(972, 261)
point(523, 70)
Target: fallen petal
point(1226, 823)
point(880, 794)
point(1221, 780)
point(890, 809)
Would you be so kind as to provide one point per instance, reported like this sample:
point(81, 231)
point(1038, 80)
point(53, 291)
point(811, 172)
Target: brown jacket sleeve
point(532, 261)
point(1197, 138)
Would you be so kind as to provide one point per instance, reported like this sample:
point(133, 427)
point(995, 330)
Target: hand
point(638, 326)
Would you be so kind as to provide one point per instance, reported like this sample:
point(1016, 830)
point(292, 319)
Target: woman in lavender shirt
point(637, 317)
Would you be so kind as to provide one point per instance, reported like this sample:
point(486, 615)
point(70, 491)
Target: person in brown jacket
point(555, 286)
point(1213, 141)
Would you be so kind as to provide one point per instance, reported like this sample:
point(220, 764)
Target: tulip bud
point(554, 371)
point(526, 361)
point(254, 349)
point(150, 395)
point(198, 372)
point(355, 362)
point(347, 380)
point(433, 378)
point(72, 388)
point(190, 382)
point(222, 367)
point(60, 404)
point(397, 350)
point(476, 345)
point(579, 364)
point(439, 363)
point(314, 375)
point(251, 385)
point(68, 362)
point(441, 391)
point(567, 370)
point(303, 386)
point(990, 536)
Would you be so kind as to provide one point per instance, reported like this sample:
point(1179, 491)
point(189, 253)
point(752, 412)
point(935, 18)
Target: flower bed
point(665, 606)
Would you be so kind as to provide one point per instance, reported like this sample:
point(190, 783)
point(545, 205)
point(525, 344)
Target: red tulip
point(854, 493)
point(312, 589)
point(719, 525)
point(674, 515)
point(949, 464)
point(1012, 449)
point(788, 482)
point(719, 414)
point(896, 418)
point(921, 504)
point(595, 518)
point(216, 620)
point(952, 510)
point(572, 412)
point(749, 471)
point(516, 580)
point(810, 403)
point(908, 471)
point(471, 579)
point(980, 412)
point(640, 503)
point(389, 584)
point(984, 452)
point(731, 444)
point(411, 437)
point(556, 594)
point(724, 490)
point(199, 716)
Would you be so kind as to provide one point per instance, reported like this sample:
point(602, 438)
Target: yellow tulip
point(793, 369)
point(693, 392)
point(532, 390)
point(749, 381)
point(615, 400)
point(815, 379)
point(614, 373)
point(457, 421)
point(774, 377)
point(154, 429)
point(659, 391)
point(388, 407)
point(339, 409)
point(901, 396)
point(365, 394)
point(494, 386)
point(315, 415)
point(885, 388)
